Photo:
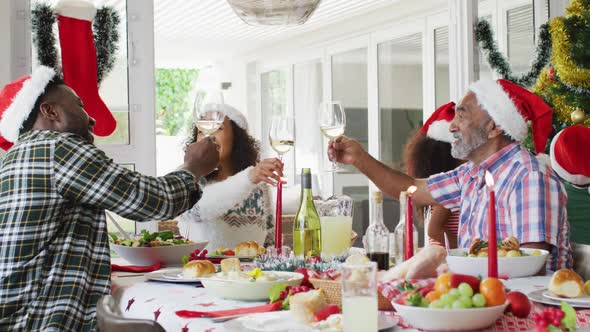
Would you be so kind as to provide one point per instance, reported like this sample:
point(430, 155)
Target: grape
point(478, 300)
point(466, 300)
point(454, 293)
point(458, 305)
point(465, 289)
point(436, 305)
point(424, 303)
point(447, 299)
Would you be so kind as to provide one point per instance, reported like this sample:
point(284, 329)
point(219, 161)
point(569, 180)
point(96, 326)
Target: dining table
point(138, 297)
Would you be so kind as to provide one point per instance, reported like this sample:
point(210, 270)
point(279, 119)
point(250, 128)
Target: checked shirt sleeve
point(84, 174)
point(445, 189)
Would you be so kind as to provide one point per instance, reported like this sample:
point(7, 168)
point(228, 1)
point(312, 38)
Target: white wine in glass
point(332, 119)
point(208, 111)
point(281, 135)
point(282, 146)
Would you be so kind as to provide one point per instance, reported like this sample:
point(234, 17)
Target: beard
point(462, 150)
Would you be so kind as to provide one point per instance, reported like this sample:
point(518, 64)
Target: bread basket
point(333, 291)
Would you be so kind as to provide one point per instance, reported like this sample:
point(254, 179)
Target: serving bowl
point(245, 289)
point(168, 255)
point(508, 267)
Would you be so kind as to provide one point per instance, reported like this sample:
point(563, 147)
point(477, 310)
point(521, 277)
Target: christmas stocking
point(78, 57)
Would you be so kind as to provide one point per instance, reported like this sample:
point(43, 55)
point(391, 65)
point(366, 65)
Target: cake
point(198, 268)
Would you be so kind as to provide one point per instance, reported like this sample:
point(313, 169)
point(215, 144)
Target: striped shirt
point(451, 226)
point(530, 201)
point(54, 253)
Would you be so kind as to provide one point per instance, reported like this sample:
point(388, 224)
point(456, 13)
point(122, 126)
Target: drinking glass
point(359, 297)
point(332, 119)
point(282, 134)
point(208, 111)
point(336, 222)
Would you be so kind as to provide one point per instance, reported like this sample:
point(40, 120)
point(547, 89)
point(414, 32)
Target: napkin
point(231, 312)
point(135, 268)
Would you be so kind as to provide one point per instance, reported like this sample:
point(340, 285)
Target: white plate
point(537, 296)
point(584, 299)
point(450, 319)
point(282, 321)
point(510, 267)
point(241, 258)
point(170, 275)
point(168, 255)
point(247, 290)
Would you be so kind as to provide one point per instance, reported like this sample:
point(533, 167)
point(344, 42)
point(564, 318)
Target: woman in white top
point(236, 204)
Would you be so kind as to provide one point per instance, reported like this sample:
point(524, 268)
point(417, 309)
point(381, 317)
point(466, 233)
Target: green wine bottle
point(306, 227)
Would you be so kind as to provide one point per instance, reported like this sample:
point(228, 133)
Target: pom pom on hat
point(437, 125)
point(569, 153)
point(17, 100)
point(511, 106)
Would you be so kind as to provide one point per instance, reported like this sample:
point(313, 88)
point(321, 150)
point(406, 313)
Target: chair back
point(110, 319)
point(581, 253)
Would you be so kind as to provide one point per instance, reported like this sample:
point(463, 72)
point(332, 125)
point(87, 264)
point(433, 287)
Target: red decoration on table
point(279, 218)
point(135, 268)
point(409, 238)
point(129, 303)
point(231, 312)
point(492, 237)
point(157, 314)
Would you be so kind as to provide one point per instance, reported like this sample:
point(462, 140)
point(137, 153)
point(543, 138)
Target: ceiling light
point(274, 12)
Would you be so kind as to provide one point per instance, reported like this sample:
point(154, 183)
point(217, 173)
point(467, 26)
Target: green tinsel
point(42, 21)
point(106, 38)
point(484, 36)
point(270, 262)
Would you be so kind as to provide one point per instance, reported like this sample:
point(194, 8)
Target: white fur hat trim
point(78, 9)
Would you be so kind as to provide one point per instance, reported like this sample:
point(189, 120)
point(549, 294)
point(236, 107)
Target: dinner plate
point(537, 296)
point(241, 258)
point(585, 299)
point(282, 321)
point(171, 275)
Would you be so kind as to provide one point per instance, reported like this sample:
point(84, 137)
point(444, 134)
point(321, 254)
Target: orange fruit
point(433, 296)
point(443, 283)
point(493, 290)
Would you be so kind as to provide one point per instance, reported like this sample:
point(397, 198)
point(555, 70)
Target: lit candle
point(409, 238)
point(279, 218)
point(492, 237)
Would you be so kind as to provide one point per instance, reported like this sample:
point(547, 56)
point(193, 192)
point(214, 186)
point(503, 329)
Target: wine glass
point(208, 111)
point(332, 121)
point(281, 135)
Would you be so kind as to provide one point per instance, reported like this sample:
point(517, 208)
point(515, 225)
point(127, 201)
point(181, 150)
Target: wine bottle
point(377, 235)
point(400, 230)
point(307, 227)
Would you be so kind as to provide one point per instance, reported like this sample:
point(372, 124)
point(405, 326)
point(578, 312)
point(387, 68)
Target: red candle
point(492, 237)
point(279, 218)
point(409, 238)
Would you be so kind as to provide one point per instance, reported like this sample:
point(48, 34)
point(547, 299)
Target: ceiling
point(200, 31)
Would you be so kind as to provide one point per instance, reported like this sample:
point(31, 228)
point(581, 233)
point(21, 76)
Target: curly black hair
point(425, 156)
point(245, 148)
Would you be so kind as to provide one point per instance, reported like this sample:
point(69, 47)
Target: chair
point(581, 253)
point(110, 319)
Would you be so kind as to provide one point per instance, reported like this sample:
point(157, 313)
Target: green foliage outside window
point(173, 100)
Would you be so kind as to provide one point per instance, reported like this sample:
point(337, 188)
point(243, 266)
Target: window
point(521, 38)
point(441, 66)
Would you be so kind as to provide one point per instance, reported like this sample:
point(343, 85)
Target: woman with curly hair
point(428, 152)
point(236, 205)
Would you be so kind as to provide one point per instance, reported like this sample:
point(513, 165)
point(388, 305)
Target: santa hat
point(512, 106)
point(233, 114)
point(569, 152)
point(17, 100)
point(437, 125)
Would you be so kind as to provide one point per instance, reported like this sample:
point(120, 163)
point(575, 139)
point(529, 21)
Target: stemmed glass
point(208, 111)
point(332, 121)
point(282, 135)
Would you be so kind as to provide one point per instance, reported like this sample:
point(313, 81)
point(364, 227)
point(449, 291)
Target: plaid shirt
point(54, 252)
point(530, 200)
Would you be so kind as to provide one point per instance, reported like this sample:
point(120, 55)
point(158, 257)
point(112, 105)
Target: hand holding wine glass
point(332, 119)
point(282, 135)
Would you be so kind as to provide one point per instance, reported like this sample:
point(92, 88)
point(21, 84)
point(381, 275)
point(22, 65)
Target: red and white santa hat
point(437, 125)
point(17, 100)
point(233, 114)
point(569, 153)
point(511, 107)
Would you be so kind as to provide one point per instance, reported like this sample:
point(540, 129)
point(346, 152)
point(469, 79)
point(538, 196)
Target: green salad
point(147, 239)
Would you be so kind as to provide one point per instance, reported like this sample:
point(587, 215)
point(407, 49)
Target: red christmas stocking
point(78, 58)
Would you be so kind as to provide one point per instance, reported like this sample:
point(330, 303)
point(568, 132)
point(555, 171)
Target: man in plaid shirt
point(55, 186)
point(488, 124)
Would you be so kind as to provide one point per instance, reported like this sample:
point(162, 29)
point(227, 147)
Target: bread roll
point(230, 265)
point(566, 283)
point(199, 268)
point(249, 248)
point(304, 305)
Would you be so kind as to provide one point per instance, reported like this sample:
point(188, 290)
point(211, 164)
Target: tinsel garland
point(484, 36)
point(270, 262)
point(569, 71)
point(42, 23)
point(106, 38)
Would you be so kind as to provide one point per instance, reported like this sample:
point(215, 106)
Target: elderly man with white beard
point(488, 125)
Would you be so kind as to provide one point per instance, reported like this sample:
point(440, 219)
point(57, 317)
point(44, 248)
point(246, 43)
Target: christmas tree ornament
point(578, 116)
point(551, 73)
point(78, 59)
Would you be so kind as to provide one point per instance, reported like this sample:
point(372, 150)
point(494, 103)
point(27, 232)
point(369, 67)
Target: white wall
point(6, 41)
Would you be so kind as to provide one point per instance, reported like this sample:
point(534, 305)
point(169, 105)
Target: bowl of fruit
point(150, 248)
point(456, 302)
point(513, 260)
